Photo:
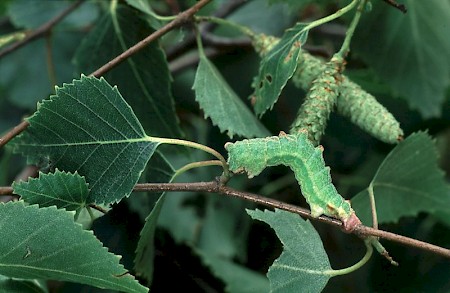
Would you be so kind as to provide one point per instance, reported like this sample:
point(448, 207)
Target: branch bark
point(181, 19)
point(217, 187)
point(13, 132)
point(44, 29)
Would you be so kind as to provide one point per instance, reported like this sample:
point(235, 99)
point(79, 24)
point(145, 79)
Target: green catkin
point(305, 160)
point(321, 99)
point(353, 102)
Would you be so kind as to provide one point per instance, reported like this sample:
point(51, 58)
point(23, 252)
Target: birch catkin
point(321, 99)
point(353, 102)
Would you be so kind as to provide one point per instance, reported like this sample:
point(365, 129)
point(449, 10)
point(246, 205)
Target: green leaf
point(9, 285)
point(89, 128)
point(258, 17)
point(277, 67)
point(145, 251)
point(237, 278)
point(408, 181)
point(221, 103)
point(64, 190)
point(225, 228)
point(143, 78)
point(303, 265)
point(31, 14)
point(144, 6)
point(408, 49)
point(23, 82)
point(157, 170)
point(49, 245)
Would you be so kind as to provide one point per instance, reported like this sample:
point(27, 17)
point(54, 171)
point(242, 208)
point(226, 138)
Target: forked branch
point(217, 187)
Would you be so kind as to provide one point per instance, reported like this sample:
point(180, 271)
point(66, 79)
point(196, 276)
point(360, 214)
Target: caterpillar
point(306, 161)
point(319, 102)
point(360, 107)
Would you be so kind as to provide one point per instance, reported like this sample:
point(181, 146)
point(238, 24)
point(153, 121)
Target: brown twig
point(216, 187)
point(226, 9)
point(13, 132)
point(6, 190)
point(394, 4)
point(38, 33)
point(41, 31)
point(178, 21)
point(98, 208)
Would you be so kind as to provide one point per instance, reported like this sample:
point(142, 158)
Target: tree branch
point(216, 187)
point(226, 9)
point(41, 31)
point(13, 132)
point(178, 21)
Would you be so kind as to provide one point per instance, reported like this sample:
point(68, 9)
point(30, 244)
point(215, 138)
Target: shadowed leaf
point(49, 245)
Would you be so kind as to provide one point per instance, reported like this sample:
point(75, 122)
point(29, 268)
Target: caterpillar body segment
point(306, 161)
point(321, 99)
point(352, 102)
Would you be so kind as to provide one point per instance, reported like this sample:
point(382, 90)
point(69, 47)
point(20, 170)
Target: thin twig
point(41, 31)
point(180, 20)
point(213, 186)
point(226, 9)
point(13, 132)
point(216, 187)
point(394, 4)
point(98, 208)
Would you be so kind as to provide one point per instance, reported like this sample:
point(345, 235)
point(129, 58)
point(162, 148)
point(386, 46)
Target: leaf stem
point(356, 266)
point(198, 38)
point(195, 145)
point(49, 58)
point(381, 250)
point(373, 206)
point(195, 165)
point(345, 48)
point(91, 213)
point(331, 17)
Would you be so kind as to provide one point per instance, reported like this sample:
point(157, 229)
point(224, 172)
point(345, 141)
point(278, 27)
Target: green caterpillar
point(353, 102)
point(319, 102)
point(305, 160)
